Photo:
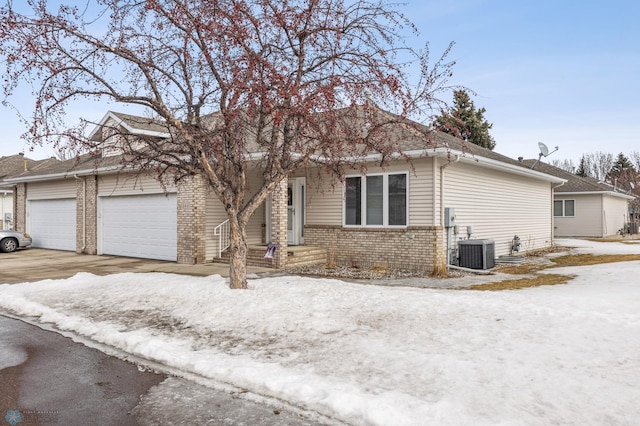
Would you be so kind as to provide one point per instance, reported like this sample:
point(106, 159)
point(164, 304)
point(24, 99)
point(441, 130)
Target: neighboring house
point(391, 217)
point(6, 208)
point(585, 207)
point(10, 166)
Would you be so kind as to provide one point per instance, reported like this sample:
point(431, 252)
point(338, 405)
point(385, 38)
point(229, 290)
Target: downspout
point(434, 190)
point(84, 212)
point(444, 166)
point(553, 219)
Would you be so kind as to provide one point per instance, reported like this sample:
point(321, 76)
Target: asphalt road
point(48, 379)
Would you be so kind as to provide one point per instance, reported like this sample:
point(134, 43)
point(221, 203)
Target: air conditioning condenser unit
point(477, 254)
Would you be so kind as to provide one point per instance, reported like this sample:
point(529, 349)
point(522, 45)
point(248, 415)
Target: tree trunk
point(237, 256)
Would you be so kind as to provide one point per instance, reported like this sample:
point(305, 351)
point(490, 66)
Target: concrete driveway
point(35, 264)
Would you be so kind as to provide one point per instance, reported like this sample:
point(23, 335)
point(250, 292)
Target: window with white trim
point(564, 208)
point(376, 200)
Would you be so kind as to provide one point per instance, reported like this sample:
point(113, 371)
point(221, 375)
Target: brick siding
point(417, 248)
point(87, 215)
point(279, 234)
point(191, 221)
point(20, 207)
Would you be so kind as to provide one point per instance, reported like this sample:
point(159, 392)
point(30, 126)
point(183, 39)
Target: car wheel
point(8, 245)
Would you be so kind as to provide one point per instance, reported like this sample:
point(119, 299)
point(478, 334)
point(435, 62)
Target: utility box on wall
point(477, 254)
point(449, 217)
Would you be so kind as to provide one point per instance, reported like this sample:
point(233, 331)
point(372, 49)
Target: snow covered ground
point(378, 355)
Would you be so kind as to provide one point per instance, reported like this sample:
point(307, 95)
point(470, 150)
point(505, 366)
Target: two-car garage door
point(139, 226)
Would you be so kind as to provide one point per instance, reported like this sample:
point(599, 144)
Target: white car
point(12, 240)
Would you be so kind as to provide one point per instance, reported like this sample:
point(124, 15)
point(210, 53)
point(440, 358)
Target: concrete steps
point(296, 256)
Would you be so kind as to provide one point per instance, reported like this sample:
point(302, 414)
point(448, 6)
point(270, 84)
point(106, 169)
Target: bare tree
point(566, 165)
point(634, 157)
point(227, 78)
point(66, 151)
point(599, 164)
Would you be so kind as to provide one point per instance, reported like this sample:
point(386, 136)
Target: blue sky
point(565, 73)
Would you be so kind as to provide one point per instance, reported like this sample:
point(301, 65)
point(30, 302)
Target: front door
point(295, 211)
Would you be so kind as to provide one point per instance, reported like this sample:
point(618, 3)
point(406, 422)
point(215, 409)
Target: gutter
point(65, 175)
point(463, 157)
point(424, 153)
point(444, 166)
point(610, 193)
point(449, 230)
point(493, 164)
point(553, 200)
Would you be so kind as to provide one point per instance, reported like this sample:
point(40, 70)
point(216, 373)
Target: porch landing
point(296, 256)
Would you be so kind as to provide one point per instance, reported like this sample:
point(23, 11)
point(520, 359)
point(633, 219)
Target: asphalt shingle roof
point(574, 182)
point(412, 137)
point(142, 123)
point(15, 164)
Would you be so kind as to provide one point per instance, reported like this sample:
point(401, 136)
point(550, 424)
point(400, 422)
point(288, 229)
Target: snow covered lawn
point(366, 354)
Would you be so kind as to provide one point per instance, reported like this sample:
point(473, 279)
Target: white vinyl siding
point(324, 203)
point(63, 188)
point(616, 214)
point(421, 183)
point(6, 210)
point(596, 215)
point(499, 206)
point(129, 184)
point(587, 221)
point(215, 215)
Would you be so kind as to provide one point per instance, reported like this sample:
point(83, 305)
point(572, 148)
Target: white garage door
point(140, 226)
point(52, 223)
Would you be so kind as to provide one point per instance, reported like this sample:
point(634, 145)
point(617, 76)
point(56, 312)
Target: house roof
point(15, 164)
point(59, 169)
point(18, 164)
point(133, 124)
point(416, 140)
point(575, 183)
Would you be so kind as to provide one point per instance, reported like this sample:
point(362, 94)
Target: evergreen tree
point(620, 167)
point(466, 122)
point(582, 168)
point(622, 172)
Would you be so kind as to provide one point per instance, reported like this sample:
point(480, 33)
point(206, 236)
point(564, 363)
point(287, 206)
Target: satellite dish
point(543, 149)
point(544, 152)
